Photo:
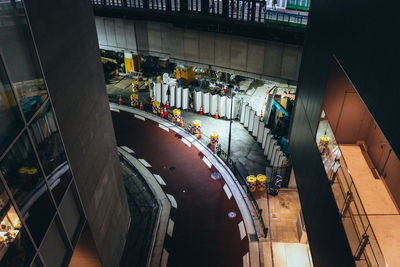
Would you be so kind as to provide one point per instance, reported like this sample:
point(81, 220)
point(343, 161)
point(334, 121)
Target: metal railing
point(239, 10)
point(361, 237)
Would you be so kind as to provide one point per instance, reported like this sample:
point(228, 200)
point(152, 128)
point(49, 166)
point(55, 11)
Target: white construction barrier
point(265, 134)
point(251, 120)
point(275, 161)
point(206, 103)
point(178, 97)
point(185, 98)
point(222, 106)
point(260, 133)
point(247, 116)
point(255, 125)
point(157, 92)
point(228, 108)
point(272, 148)
point(243, 112)
point(172, 101)
point(197, 101)
point(164, 93)
point(268, 144)
point(213, 104)
point(282, 160)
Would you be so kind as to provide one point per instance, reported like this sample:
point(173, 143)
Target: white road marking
point(145, 163)
point(163, 127)
point(164, 258)
point(172, 200)
point(242, 230)
point(127, 149)
point(159, 179)
point(207, 162)
point(170, 229)
point(246, 260)
point(186, 142)
point(190, 139)
point(227, 191)
point(139, 117)
point(114, 109)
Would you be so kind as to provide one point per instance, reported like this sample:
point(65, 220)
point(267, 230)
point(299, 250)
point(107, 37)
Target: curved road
point(203, 234)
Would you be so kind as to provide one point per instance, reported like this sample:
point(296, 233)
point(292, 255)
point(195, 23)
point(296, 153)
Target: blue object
point(280, 108)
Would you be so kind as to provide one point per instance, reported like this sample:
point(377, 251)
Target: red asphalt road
point(203, 234)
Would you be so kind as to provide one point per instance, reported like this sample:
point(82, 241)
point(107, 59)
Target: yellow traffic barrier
point(176, 115)
point(214, 138)
point(197, 126)
point(252, 181)
point(156, 107)
point(261, 182)
point(134, 100)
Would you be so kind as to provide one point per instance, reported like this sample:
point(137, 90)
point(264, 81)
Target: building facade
point(58, 163)
point(346, 46)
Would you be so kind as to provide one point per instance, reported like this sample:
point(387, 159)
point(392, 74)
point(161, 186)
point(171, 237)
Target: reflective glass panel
point(20, 57)
point(23, 176)
point(10, 117)
point(54, 249)
point(51, 151)
point(15, 247)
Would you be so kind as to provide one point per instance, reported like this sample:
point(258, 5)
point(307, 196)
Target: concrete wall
point(243, 56)
point(65, 35)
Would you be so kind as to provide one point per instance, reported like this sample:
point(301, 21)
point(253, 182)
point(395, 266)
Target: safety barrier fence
point(239, 10)
point(221, 153)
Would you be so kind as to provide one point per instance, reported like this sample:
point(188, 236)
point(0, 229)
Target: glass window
point(22, 174)
point(51, 151)
point(10, 117)
point(16, 249)
point(54, 250)
point(37, 262)
point(71, 215)
point(20, 57)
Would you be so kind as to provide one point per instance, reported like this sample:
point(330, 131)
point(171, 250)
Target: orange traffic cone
point(199, 136)
point(152, 100)
point(117, 72)
point(165, 111)
point(216, 115)
point(167, 104)
point(181, 124)
point(201, 110)
point(162, 113)
point(120, 100)
point(141, 105)
point(138, 78)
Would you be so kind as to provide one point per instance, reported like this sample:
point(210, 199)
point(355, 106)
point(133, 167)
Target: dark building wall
point(65, 35)
point(364, 47)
